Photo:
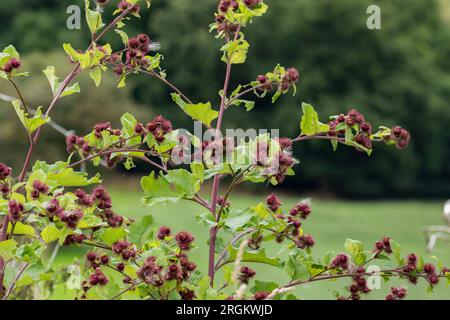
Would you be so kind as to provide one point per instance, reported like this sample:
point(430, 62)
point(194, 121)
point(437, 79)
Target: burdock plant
point(49, 205)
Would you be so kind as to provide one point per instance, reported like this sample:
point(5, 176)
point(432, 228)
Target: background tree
point(399, 74)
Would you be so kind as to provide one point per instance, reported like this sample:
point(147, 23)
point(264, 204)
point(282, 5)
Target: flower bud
point(163, 233)
point(5, 171)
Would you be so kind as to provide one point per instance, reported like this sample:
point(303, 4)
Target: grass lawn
point(330, 223)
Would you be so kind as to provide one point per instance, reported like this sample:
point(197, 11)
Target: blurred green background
point(331, 222)
point(397, 75)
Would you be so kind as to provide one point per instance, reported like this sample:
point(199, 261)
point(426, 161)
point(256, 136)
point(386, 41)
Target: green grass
point(330, 223)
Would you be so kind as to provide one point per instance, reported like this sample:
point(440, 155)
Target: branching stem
point(216, 182)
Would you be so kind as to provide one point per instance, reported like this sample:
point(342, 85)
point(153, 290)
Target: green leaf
point(121, 83)
point(7, 249)
point(154, 62)
point(238, 219)
point(129, 123)
point(262, 211)
point(353, 247)
point(93, 19)
point(75, 88)
point(87, 59)
point(65, 177)
point(50, 233)
point(396, 249)
point(248, 105)
point(382, 257)
point(198, 170)
point(123, 36)
point(12, 52)
point(90, 221)
point(296, 268)
point(31, 124)
point(22, 229)
point(205, 291)
point(184, 182)
point(264, 286)
point(18, 197)
point(96, 75)
point(206, 218)
point(257, 256)
point(310, 123)
point(64, 234)
point(70, 178)
point(74, 280)
point(50, 73)
point(276, 96)
point(142, 230)
point(4, 58)
point(34, 273)
point(111, 235)
point(9, 53)
point(245, 14)
point(235, 52)
point(360, 258)
point(129, 163)
point(349, 140)
point(201, 111)
point(228, 275)
point(157, 190)
point(30, 252)
point(176, 184)
point(335, 144)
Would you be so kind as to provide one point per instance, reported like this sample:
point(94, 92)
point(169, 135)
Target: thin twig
point(126, 290)
point(386, 272)
point(318, 137)
point(145, 159)
point(230, 102)
point(232, 242)
point(97, 245)
point(54, 254)
point(32, 111)
point(154, 74)
point(24, 105)
point(17, 278)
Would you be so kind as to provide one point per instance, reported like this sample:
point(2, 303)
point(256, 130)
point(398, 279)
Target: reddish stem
point(243, 93)
point(318, 137)
point(394, 272)
point(216, 182)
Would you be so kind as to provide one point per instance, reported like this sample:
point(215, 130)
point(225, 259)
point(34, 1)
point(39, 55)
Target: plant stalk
point(216, 182)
